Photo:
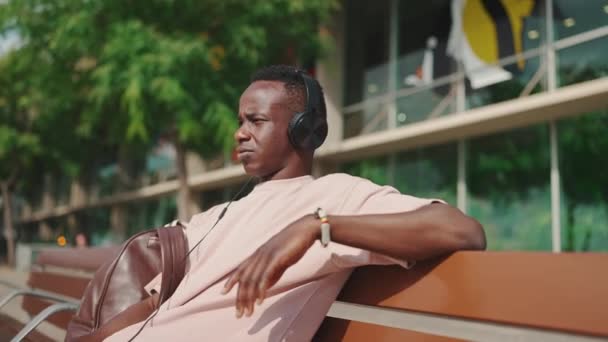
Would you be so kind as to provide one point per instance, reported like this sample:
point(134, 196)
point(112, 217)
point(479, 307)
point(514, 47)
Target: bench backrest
point(65, 272)
point(480, 296)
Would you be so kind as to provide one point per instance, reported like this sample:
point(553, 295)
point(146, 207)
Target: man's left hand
point(265, 267)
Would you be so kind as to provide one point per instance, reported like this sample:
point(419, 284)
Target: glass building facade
point(537, 46)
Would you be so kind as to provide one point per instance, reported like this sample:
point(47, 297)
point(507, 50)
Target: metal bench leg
point(40, 317)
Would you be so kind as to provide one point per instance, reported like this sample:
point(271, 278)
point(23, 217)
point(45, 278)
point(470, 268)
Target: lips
point(243, 152)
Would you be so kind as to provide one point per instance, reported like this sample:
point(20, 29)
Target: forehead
point(263, 96)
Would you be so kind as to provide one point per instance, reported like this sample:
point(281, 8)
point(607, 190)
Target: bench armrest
point(43, 315)
point(35, 293)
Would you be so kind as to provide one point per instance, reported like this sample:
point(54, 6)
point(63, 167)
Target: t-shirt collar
point(281, 184)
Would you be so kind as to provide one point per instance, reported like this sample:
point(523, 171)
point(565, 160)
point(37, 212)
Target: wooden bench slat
point(86, 259)
point(67, 285)
point(566, 292)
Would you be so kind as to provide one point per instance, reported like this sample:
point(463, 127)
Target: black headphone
point(307, 130)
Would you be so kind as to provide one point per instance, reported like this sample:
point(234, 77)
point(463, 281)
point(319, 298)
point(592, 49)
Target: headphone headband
point(312, 95)
point(306, 129)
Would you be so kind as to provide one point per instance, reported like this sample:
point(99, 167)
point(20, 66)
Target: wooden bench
point(473, 296)
point(56, 283)
point(476, 296)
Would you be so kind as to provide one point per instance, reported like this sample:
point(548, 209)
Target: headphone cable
point(220, 216)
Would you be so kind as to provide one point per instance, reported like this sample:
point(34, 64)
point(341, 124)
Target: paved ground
point(10, 279)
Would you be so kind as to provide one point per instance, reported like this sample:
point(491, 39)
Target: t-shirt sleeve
point(366, 198)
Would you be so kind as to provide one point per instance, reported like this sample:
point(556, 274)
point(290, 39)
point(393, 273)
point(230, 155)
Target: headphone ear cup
point(300, 130)
point(319, 134)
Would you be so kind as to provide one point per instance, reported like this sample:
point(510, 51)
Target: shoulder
point(354, 183)
point(352, 189)
point(203, 216)
point(341, 180)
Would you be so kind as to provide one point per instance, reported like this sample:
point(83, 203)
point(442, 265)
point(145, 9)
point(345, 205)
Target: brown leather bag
point(120, 283)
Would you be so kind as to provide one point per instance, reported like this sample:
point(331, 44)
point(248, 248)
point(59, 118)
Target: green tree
point(140, 69)
point(19, 142)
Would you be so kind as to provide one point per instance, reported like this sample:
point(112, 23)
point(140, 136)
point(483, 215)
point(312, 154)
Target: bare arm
point(432, 230)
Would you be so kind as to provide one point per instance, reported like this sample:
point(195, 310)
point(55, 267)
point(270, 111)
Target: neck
point(286, 174)
point(297, 167)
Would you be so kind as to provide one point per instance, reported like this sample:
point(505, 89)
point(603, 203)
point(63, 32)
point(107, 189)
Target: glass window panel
point(573, 17)
point(508, 179)
point(424, 27)
point(425, 104)
point(374, 169)
point(367, 36)
point(372, 118)
point(583, 62)
point(496, 30)
point(583, 161)
point(492, 30)
point(428, 172)
point(526, 78)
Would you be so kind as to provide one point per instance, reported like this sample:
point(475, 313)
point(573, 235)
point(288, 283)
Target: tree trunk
point(8, 223)
point(123, 173)
point(184, 197)
point(570, 247)
point(118, 223)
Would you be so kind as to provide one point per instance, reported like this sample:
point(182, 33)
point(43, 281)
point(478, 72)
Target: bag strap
point(173, 250)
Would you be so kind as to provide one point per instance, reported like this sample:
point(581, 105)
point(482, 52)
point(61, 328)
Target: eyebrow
point(255, 114)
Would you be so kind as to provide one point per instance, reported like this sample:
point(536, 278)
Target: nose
point(241, 134)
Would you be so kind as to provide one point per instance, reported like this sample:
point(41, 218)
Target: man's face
point(262, 142)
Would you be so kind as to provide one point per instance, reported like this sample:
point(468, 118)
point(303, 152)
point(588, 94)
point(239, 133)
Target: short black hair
point(294, 86)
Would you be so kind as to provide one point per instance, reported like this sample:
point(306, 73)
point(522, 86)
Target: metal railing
point(561, 44)
point(62, 304)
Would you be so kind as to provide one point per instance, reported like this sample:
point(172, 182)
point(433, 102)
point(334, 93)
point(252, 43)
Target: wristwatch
point(325, 227)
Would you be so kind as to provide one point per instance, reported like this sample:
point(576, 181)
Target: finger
point(234, 278)
point(256, 276)
point(243, 290)
point(251, 292)
point(236, 275)
point(270, 276)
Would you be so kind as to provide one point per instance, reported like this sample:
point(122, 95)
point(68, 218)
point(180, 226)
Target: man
point(269, 270)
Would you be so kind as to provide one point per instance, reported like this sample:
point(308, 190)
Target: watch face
point(325, 234)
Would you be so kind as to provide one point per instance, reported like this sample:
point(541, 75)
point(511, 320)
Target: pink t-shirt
point(297, 304)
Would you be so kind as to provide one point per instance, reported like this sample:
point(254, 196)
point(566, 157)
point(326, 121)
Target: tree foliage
point(108, 78)
point(142, 68)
